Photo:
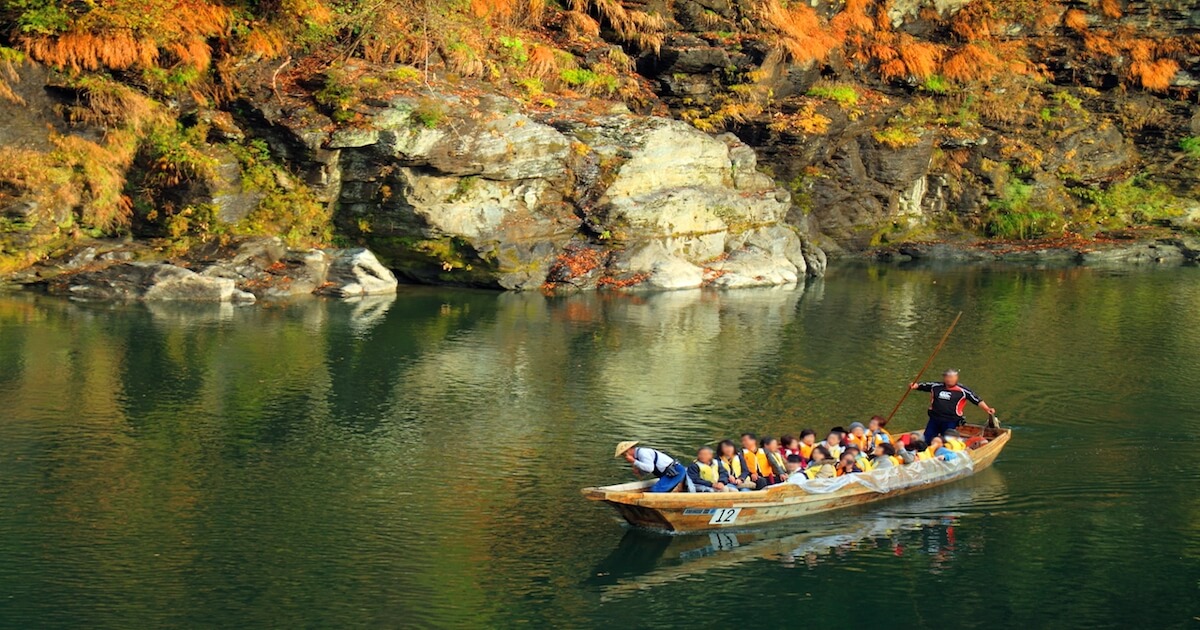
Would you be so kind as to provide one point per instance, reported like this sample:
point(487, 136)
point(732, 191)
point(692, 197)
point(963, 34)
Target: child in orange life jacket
point(739, 477)
point(857, 436)
point(876, 434)
point(808, 441)
point(775, 460)
point(822, 464)
point(833, 444)
point(789, 445)
point(848, 464)
point(756, 461)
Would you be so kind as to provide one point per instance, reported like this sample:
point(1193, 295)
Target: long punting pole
point(928, 362)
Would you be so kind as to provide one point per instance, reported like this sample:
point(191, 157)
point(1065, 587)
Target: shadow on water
point(921, 523)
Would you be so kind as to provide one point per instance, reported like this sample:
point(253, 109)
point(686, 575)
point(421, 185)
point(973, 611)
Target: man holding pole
point(947, 401)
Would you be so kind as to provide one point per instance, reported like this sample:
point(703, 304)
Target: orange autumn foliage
point(920, 58)
point(972, 62)
point(1075, 20)
point(1111, 8)
point(802, 36)
point(1155, 75)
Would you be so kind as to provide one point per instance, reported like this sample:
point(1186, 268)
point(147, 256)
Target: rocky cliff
point(600, 145)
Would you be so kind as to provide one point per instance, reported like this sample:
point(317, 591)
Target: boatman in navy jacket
point(947, 401)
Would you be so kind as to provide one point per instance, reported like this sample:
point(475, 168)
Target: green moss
point(428, 113)
point(1012, 216)
point(843, 95)
point(936, 84)
point(1190, 146)
point(403, 74)
point(590, 80)
point(1136, 200)
point(292, 212)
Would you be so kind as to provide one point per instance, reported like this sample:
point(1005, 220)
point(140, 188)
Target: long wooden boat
point(690, 512)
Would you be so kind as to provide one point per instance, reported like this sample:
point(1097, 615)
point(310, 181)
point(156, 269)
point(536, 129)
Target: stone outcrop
point(474, 192)
point(258, 268)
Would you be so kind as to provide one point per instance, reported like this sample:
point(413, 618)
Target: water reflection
point(920, 524)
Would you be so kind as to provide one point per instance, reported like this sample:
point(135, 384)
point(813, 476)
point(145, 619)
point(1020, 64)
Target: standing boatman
point(947, 401)
point(670, 473)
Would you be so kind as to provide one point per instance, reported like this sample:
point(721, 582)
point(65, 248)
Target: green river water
point(417, 462)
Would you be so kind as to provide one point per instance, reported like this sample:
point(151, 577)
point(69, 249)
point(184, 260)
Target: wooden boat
point(690, 512)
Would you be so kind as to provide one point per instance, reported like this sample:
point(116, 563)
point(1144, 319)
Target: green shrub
point(1010, 215)
point(1190, 146)
point(936, 84)
point(337, 95)
point(514, 48)
point(590, 81)
point(843, 95)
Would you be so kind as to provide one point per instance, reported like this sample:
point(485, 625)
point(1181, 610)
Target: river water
point(417, 461)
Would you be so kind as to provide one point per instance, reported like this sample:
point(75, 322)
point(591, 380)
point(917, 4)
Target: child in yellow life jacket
point(708, 474)
point(953, 440)
point(864, 462)
point(921, 450)
point(775, 460)
point(739, 477)
point(833, 444)
point(756, 461)
point(885, 452)
point(822, 465)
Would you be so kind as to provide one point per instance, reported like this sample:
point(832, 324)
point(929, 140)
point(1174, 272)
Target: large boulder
point(357, 272)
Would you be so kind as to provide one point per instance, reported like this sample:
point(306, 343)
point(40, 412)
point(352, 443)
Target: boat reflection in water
point(921, 524)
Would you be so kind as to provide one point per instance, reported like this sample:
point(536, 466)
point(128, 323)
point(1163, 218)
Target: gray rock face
point(152, 282)
point(484, 197)
point(357, 272)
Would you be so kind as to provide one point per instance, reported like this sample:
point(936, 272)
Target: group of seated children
point(762, 462)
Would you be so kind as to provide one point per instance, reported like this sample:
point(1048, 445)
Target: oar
point(928, 362)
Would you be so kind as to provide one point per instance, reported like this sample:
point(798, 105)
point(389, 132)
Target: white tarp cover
point(894, 478)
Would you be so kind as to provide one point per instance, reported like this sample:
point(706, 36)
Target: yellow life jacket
point(897, 460)
point(865, 464)
point(923, 455)
point(710, 472)
point(873, 439)
point(955, 444)
point(734, 464)
point(756, 463)
point(775, 463)
point(806, 450)
point(821, 469)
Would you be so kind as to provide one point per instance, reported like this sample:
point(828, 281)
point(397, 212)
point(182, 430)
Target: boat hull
point(689, 512)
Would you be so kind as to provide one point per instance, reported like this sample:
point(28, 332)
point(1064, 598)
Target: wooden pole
point(928, 362)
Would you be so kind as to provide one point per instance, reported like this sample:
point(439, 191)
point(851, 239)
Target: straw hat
point(625, 446)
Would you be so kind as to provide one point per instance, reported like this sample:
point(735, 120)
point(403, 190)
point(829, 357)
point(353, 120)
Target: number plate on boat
point(724, 516)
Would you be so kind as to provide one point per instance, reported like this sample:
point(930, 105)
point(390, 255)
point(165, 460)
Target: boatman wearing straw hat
point(647, 460)
point(947, 401)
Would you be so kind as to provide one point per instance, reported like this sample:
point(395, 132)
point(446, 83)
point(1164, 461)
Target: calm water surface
point(417, 461)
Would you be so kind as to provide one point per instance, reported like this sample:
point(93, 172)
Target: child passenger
point(795, 465)
point(857, 436)
point(739, 477)
point(822, 464)
point(707, 474)
point(789, 446)
point(848, 464)
point(833, 444)
point(776, 462)
point(876, 434)
point(808, 441)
